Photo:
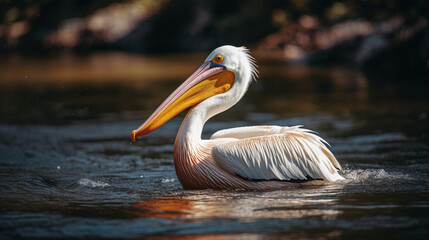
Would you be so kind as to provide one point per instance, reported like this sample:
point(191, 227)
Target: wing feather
point(291, 153)
point(246, 132)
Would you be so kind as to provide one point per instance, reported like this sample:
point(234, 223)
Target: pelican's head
point(235, 59)
point(225, 74)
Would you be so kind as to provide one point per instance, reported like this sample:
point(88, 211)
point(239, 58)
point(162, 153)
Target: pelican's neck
point(192, 126)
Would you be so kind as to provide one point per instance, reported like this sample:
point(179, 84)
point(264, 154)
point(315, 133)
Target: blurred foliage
point(181, 21)
point(50, 10)
point(290, 10)
point(43, 26)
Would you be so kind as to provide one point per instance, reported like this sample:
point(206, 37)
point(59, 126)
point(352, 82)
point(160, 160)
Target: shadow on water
point(69, 169)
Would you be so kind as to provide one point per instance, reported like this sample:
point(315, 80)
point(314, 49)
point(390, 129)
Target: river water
point(68, 169)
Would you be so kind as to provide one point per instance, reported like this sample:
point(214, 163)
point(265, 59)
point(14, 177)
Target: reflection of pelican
point(238, 205)
point(259, 157)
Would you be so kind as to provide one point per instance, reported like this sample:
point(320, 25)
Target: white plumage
point(275, 153)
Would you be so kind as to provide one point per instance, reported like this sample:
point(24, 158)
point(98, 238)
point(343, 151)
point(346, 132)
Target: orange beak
point(207, 81)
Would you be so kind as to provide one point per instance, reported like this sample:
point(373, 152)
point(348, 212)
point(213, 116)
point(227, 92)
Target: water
point(70, 170)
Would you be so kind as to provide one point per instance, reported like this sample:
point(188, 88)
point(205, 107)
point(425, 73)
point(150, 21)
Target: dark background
point(387, 37)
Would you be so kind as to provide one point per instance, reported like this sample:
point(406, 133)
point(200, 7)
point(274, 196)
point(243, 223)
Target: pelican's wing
point(247, 132)
point(290, 153)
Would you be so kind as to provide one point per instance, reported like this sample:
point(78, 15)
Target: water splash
point(90, 183)
point(168, 180)
point(369, 175)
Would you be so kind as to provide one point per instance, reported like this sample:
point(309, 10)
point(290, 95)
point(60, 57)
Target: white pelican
point(253, 158)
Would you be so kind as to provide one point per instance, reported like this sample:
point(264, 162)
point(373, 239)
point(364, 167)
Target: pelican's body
point(253, 158)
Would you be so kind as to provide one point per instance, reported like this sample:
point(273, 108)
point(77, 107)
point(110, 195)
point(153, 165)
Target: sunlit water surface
point(69, 169)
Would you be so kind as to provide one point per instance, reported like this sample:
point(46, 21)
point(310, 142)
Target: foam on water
point(90, 183)
point(366, 175)
point(168, 180)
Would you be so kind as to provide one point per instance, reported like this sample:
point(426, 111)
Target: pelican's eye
point(218, 59)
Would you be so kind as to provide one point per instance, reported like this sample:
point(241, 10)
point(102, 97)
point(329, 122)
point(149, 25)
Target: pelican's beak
point(209, 80)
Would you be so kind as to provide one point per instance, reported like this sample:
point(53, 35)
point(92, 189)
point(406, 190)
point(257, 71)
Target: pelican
point(250, 158)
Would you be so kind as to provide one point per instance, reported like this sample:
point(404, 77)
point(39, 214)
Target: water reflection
point(215, 237)
point(245, 206)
